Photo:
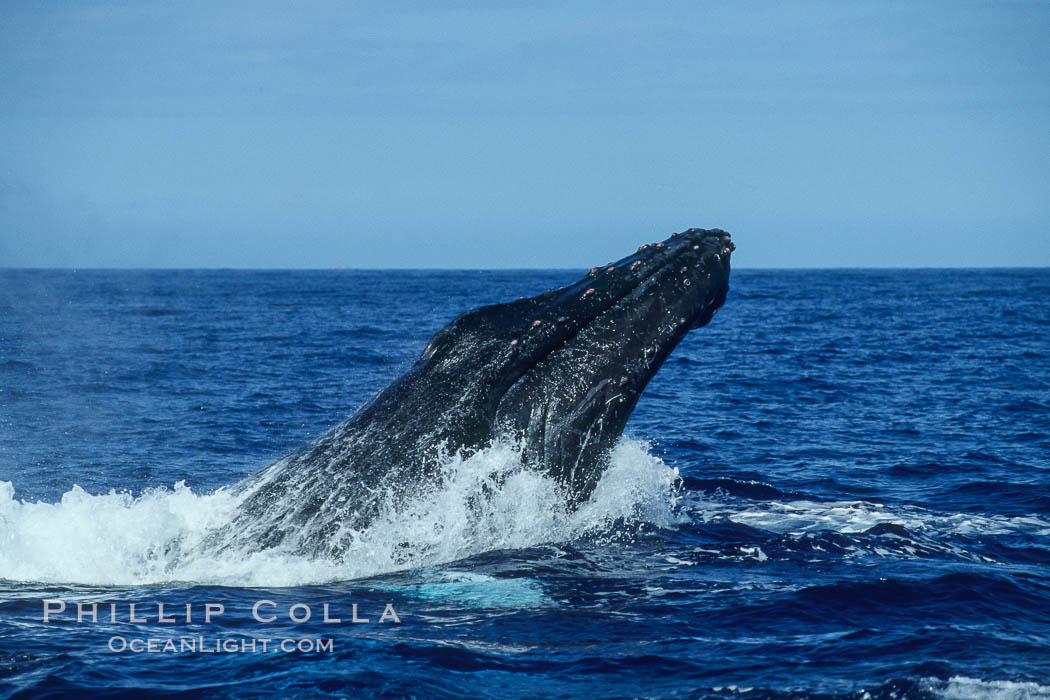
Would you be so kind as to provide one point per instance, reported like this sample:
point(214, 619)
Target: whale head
point(558, 373)
point(562, 371)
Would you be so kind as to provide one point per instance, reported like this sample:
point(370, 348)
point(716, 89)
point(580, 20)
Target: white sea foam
point(960, 688)
point(853, 517)
point(484, 502)
point(928, 533)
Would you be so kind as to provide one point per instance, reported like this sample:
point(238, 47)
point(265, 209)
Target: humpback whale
point(558, 373)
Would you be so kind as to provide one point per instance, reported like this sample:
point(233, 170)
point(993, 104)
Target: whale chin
point(558, 373)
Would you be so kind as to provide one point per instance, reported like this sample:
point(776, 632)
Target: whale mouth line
point(585, 383)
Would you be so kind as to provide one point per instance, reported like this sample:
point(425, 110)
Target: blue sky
point(506, 134)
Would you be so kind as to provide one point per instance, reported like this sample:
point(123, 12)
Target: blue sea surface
point(862, 506)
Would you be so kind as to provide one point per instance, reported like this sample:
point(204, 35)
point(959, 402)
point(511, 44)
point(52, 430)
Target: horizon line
point(7, 268)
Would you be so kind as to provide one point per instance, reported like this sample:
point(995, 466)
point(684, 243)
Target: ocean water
point(839, 488)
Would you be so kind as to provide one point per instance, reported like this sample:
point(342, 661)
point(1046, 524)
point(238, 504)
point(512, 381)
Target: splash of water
point(483, 502)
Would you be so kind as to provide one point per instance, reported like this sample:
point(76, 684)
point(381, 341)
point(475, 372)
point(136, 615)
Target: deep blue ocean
point(838, 488)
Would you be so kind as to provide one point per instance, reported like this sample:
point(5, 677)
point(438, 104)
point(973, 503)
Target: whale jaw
point(570, 407)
